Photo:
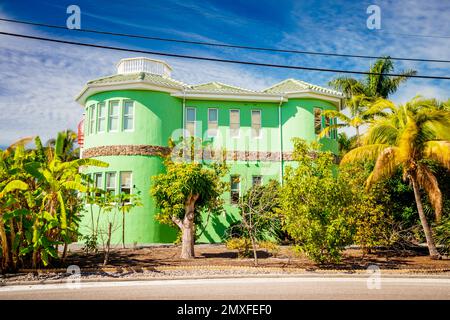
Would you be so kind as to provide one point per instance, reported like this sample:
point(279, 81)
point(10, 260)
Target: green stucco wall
point(157, 115)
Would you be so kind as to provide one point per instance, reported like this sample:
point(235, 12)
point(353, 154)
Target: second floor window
point(113, 115)
point(256, 123)
point(190, 121)
point(91, 115)
point(317, 120)
point(213, 118)
point(235, 189)
point(235, 123)
point(101, 123)
point(128, 115)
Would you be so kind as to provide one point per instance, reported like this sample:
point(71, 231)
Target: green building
point(130, 116)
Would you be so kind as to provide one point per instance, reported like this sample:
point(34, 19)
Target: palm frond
point(336, 114)
point(427, 180)
point(367, 152)
point(438, 151)
point(385, 166)
point(328, 129)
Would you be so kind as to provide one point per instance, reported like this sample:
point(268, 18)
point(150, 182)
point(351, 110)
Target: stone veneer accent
point(206, 154)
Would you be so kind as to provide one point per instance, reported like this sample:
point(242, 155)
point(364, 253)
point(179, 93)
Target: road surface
point(242, 288)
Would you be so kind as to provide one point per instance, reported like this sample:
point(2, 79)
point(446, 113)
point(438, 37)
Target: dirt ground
point(219, 255)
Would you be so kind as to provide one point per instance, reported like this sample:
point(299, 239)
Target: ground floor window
point(235, 189)
point(125, 182)
point(256, 180)
point(111, 183)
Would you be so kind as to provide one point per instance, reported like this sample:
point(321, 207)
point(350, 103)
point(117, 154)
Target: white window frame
point(104, 118)
point(260, 177)
point(216, 122)
point(314, 120)
point(233, 190)
point(115, 181)
point(124, 115)
point(260, 123)
point(131, 181)
point(95, 175)
point(195, 120)
point(92, 119)
point(117, 117)
point(239, 127)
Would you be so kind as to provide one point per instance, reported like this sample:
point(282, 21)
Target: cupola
point(141, 64)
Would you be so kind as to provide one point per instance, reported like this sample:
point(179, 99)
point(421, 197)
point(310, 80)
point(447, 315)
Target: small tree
point(186, 189)
point(259, 220)
point(124, 203)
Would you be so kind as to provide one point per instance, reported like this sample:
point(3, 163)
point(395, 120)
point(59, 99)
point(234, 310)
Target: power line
point(260, 64)
point(223, 45)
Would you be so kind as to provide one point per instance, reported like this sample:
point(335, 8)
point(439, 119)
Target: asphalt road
point(242, 288)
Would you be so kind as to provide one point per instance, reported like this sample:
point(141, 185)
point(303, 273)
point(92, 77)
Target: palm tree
point(410, 137)
point(376, 84)
point(361, 93)
point(362, 111)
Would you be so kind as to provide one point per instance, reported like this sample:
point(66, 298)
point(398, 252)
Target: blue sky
point(38, 81)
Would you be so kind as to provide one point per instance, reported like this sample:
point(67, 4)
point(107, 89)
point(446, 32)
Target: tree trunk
point(123, 229)
point(64, 254)
point(188, 229)
point(426, 228)
point(108, 244)
point(187, 244)
point(255, 254)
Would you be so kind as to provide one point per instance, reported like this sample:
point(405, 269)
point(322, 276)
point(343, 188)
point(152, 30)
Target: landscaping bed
point(219, 255)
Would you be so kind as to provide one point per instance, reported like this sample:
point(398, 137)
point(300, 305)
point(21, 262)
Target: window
point(113, 115)
point(256, 123)
point(256, 180)
point(327, 124)
point(101, 124)
point(190, 121)
point(98, 182)
point(317, 120)
point(111, 183)
point(125, 182)
point(213, 118)
point(235, 186)
point(128, 115)
point(91, 128)
point(235, 123)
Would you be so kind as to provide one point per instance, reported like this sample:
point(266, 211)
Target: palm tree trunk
point(426, 228)
point(4, 243)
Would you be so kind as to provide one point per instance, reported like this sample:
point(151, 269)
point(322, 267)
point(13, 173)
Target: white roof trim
point(232, 96)
point(92, 89)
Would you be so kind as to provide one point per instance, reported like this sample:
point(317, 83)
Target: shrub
point(242, 245)
point(314, 204)
point(270, 247)
point(442, 232)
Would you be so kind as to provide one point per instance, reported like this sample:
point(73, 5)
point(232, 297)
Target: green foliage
point(181, 181)
point(39, 203)
point(442, 234)
point(315, 205)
